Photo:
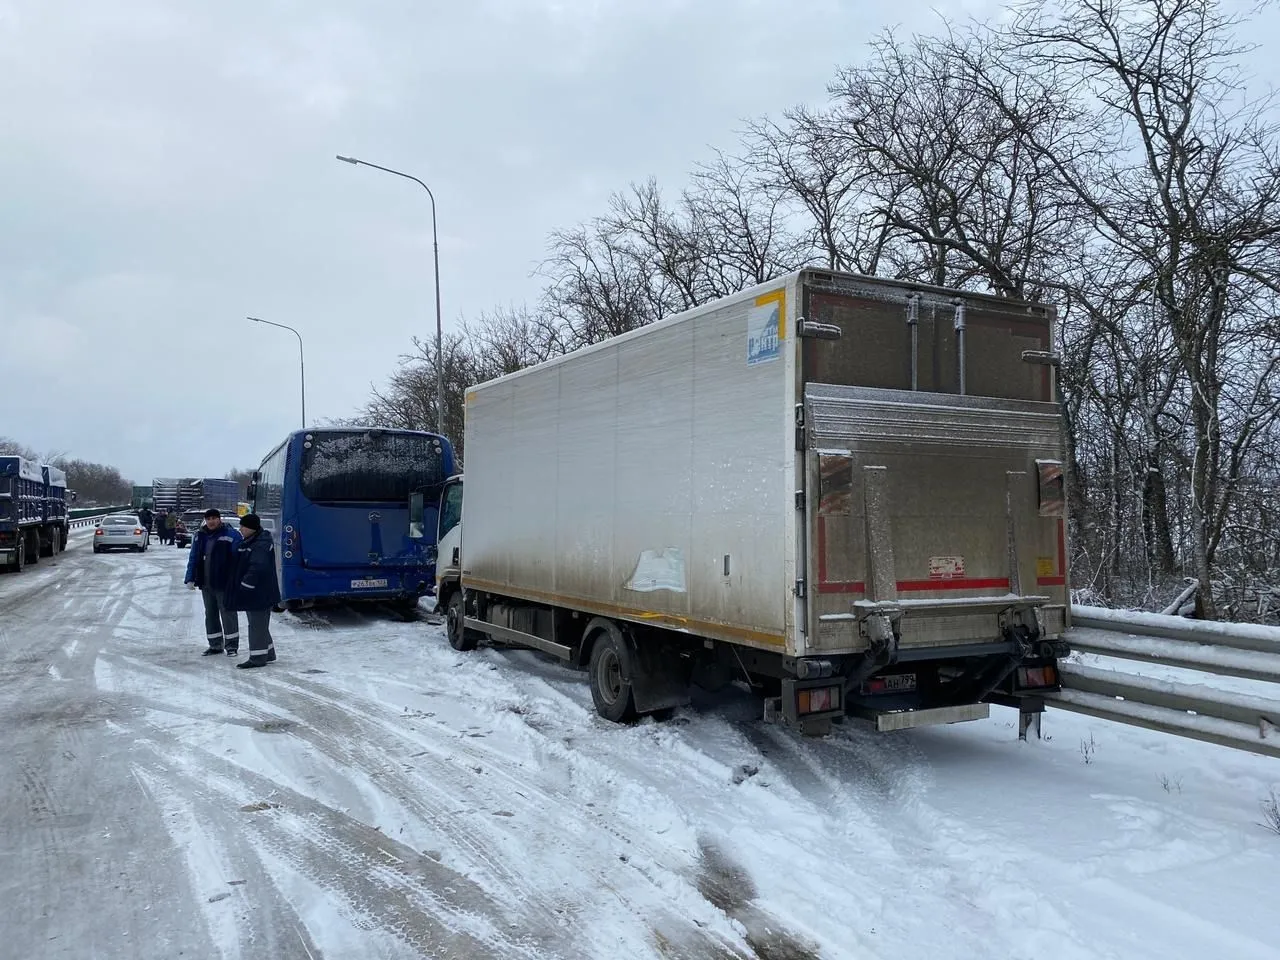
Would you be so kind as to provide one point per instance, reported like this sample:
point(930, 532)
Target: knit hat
point(250, 521)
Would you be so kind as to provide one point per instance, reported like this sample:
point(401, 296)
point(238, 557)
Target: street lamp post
point(302, 366)
point(435, 250)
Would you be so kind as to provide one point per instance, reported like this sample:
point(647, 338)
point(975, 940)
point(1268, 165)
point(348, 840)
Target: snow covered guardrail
point(1238, 636)
point(1242, 651)
point(89, 521)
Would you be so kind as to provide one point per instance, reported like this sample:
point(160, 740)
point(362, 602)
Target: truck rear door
point(942, 510)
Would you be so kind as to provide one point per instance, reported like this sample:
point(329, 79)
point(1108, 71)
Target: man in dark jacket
point(161, 514)
point(255, 588)
point(210, 566)
point(144, 517)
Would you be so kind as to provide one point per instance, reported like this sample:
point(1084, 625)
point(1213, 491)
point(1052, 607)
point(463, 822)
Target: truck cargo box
point(829, 468)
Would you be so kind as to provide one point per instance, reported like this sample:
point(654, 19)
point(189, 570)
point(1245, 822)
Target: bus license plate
point(367, 584)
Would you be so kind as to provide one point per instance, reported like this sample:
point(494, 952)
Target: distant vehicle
point(187, 526)
point(180, 494)
point(845, 490)
point(120, 531)
point(33, 512)
point(143, 497)
point(354, 512)
point(211, 492)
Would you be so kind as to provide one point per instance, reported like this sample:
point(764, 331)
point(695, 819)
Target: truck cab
point(449, 545)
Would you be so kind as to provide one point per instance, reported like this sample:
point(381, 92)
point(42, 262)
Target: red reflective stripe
point(825, 585)
point(991, 583)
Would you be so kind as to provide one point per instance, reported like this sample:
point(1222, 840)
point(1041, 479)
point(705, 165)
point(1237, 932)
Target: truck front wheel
point(460, 638)
point(610, 690)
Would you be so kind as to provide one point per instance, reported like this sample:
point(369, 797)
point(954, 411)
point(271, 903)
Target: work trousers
point(221, 626)
point(260, 644)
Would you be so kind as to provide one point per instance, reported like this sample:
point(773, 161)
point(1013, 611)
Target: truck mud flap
point(661, 677)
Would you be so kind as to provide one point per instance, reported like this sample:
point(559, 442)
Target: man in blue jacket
point(255, 589)
point(210, 566)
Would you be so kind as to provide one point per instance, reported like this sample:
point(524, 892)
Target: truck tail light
point(818, 700)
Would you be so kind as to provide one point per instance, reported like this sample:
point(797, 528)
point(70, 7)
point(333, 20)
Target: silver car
point(120, 531)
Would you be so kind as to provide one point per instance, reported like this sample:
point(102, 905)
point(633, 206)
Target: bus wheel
point(610, 690)
point(460, 638)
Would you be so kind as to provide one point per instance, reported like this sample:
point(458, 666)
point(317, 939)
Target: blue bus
point(353, 512)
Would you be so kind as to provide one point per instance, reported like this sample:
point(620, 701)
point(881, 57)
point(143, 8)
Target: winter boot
point(212, 652)
point(252, 662)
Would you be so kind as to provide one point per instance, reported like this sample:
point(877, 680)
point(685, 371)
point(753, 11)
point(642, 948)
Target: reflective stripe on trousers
point(260, 643)
point(221, 626)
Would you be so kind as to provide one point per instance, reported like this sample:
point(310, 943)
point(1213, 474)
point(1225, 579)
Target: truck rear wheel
point(460, 638)
point(610, 690)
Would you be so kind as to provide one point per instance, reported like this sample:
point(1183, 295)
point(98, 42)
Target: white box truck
point(843, 491)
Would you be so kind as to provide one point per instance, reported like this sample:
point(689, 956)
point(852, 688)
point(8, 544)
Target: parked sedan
point(120, 531)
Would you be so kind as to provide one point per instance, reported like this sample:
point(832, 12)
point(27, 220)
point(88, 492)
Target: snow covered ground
point(376, 794)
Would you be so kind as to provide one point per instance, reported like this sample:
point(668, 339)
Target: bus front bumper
point(355, 583)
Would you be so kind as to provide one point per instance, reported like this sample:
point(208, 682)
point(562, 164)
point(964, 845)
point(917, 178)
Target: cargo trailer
point(843, 491)
point(33, 512)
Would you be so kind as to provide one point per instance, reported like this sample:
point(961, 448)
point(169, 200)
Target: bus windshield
point(370, 466)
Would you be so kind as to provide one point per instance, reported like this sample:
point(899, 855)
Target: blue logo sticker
point(763, 343)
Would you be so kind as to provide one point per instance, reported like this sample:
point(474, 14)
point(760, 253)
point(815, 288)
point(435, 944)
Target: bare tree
point(1190, 193)
point(942, 133)
point(808, 163)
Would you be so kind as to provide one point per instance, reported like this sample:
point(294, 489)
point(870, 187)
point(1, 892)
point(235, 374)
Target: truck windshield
point(375, 466)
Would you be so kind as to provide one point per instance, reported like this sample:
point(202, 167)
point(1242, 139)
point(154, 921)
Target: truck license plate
point(367, 584)
point(893, 683)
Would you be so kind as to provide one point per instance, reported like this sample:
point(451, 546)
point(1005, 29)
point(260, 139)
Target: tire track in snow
point(360, 734)
point(79, 879)
point(383, 885)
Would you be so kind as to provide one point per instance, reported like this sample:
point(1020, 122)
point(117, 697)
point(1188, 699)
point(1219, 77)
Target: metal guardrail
point(92, 521)
point(1194, 710)
point(79, 513)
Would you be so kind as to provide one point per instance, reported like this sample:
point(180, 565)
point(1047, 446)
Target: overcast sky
point(168, 168)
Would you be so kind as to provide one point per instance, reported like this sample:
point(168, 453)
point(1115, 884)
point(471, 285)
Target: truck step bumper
point(909, 719)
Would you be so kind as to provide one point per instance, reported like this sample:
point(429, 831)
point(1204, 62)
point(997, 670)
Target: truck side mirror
point(417, 508)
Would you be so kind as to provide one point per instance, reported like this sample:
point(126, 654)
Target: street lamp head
point(351, 160)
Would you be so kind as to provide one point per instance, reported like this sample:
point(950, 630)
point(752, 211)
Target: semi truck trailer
point(179, 494)
point(33, 512)
point(842, 491)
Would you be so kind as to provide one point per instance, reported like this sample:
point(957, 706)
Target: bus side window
point(451, 509)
